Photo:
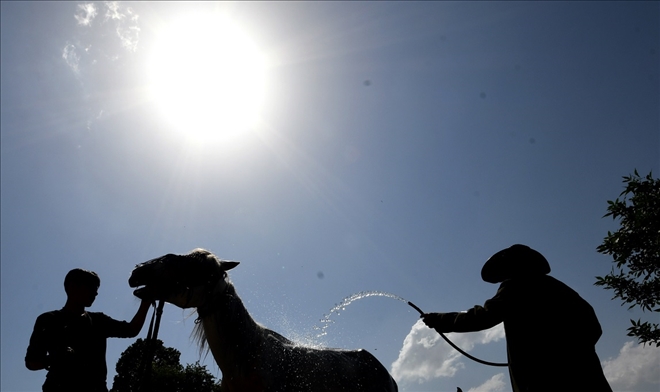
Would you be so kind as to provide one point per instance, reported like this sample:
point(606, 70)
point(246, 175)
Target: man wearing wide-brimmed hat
point(551, 332)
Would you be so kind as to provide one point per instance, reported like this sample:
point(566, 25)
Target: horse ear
point(227, 265)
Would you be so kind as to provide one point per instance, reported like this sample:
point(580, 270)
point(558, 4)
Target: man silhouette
point(551, 332)
point(70, 343)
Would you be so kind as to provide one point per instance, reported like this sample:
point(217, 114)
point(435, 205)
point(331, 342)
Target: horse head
point(182, 280)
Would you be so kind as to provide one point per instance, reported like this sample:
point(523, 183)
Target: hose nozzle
point(421, 313)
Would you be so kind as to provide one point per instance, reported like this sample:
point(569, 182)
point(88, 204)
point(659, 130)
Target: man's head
point(82, 286)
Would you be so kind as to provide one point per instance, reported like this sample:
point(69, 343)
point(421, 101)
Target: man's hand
point(432, 320)
point(138, 320)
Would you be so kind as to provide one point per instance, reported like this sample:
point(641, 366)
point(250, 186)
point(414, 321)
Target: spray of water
point(326, 320)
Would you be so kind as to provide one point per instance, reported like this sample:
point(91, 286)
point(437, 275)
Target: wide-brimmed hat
point(515, 261)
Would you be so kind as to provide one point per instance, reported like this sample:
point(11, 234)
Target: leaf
point(635, 250)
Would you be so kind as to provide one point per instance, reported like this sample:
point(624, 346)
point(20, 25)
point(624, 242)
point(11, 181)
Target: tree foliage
point(635, 249)
point(166, 374)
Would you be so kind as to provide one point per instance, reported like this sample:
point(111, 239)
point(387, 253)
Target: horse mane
point(199, 336)
point(224, 307)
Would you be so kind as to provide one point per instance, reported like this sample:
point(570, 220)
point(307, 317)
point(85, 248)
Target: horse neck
point(231, 334)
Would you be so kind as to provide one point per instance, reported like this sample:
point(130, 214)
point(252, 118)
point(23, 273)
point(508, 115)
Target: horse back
point(333, 370)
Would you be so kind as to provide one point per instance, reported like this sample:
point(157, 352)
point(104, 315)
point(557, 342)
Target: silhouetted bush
point(166, 374)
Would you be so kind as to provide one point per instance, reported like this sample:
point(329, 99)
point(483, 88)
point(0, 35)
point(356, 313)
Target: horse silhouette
point(251, 357)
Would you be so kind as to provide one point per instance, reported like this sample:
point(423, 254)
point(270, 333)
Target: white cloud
point(110, 29)
point(91, 48)
point(637, 367)
point(71, 57)
point(112, 10)
point(494, 384)
point(126, 25)
point(85, 14)
point(128, 35)
point(425, 356)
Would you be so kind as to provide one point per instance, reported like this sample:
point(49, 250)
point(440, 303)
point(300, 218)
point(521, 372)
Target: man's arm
point(477, 318)
point(36, 357)
point(135, 326)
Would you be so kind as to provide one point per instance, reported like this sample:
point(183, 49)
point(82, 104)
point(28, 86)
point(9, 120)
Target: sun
point(206, 78)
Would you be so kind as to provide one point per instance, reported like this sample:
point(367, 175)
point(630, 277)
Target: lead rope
point(150, 345)
point(456, 347)
point(159, 313)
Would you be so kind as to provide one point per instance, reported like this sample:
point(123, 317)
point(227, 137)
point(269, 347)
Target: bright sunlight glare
point(206, 78)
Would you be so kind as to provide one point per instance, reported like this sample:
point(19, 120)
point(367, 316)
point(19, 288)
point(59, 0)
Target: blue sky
point(395, 147)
